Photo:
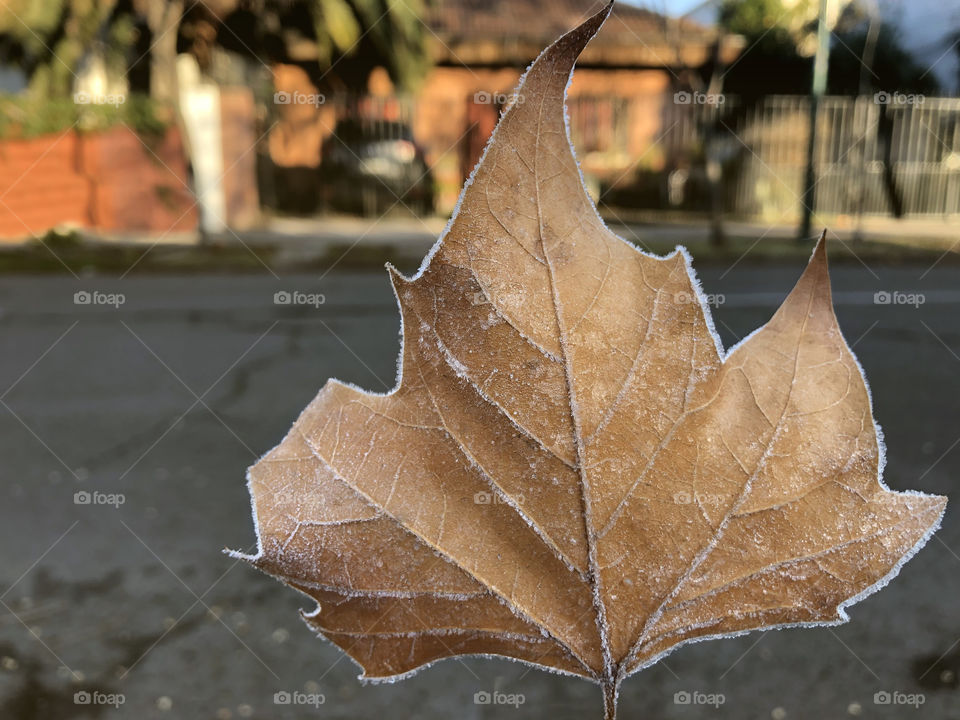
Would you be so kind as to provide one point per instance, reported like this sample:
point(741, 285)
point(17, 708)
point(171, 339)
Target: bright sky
point(923, 26)
point(673, 7)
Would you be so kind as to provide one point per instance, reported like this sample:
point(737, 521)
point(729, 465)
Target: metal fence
point(876, 155)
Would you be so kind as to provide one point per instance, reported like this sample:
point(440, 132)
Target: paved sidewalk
point(334, 230)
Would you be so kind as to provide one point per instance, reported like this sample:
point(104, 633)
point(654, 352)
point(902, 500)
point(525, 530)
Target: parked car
point(366, 166)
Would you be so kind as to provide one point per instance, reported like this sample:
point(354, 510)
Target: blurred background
point(237, 116)
point(197, 198)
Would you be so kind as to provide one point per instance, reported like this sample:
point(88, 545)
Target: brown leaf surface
point(569, 471)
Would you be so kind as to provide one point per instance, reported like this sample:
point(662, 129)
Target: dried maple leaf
point(570, 472)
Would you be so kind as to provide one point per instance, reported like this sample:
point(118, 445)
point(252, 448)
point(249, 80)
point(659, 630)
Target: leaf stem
point(609, 699)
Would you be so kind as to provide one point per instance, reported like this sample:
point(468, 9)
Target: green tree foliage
point(393, 29)
point(779, 43)
point(31, 116)
point(892, 69)
point(49, 39)
point(769, 25)
point(771, 62)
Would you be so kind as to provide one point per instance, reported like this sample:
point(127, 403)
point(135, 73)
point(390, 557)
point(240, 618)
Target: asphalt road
point(167, 398)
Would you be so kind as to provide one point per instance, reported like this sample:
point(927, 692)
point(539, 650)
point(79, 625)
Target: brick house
point(481, 47)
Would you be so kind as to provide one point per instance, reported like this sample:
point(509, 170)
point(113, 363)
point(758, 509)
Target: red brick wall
point(297, 137)
point(444, 115)
point(108, 181)
point(137, 185)
point(40, 184)
point(444, 107)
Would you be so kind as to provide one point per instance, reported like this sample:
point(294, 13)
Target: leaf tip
point(596, 21)
point(938, 505)
point(819, 255)
point(397, 278)
point(576, 40)
point(812, 290)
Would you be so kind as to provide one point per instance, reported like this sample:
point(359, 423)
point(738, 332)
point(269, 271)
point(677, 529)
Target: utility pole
point(817, 89)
